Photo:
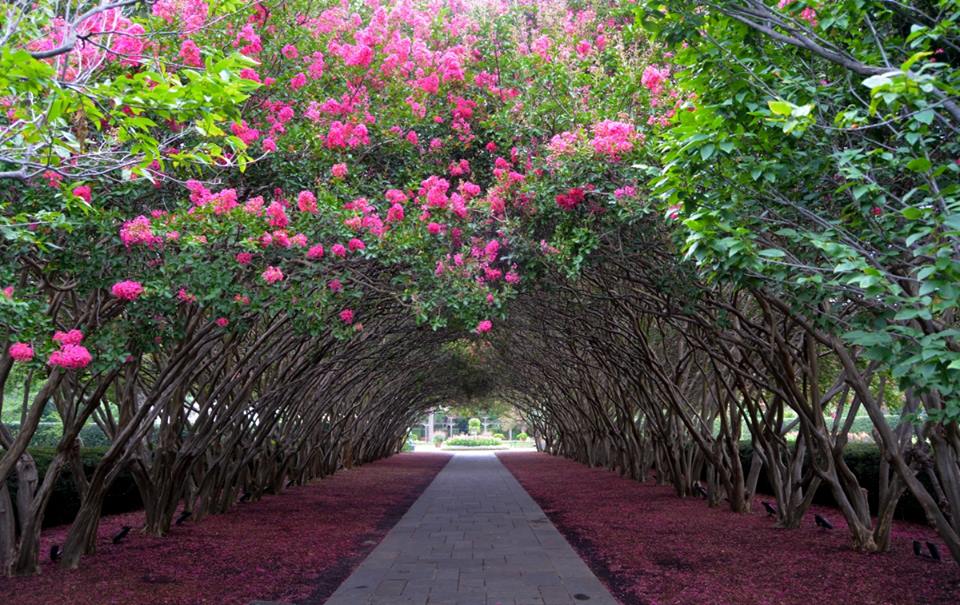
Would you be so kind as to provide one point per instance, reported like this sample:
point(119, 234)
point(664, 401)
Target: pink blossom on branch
point(20, 351)
point(72, 337)
point(613, 138)
point(346, 316)
point(71, 357)
point(272, 275)
point(127, 290)
point(653, 78)
point(484, 326)
point(307, 202)
point(82, 192)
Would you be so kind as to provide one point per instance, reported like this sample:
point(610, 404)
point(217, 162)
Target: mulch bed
point(651, 547)
point(294, 547)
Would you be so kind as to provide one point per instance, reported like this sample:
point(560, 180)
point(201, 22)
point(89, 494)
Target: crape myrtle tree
point(804, 156)
point(246, 238)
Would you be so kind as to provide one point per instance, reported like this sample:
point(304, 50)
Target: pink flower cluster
point(71, 355)
point(20, 351)
point(272, 275)
point(571, 199)
point(484, 326)
point(127, 290)
point(138, 231)
point(653, 78)
point(612, 138)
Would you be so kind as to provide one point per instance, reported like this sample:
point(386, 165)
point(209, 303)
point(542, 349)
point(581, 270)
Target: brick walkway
point(473, 538)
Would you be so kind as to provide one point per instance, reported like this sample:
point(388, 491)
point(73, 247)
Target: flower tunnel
point(254, 242)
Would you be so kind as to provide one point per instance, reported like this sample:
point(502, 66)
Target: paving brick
point(474, 537)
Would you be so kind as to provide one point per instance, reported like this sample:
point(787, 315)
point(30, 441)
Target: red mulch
point(649, 546)
point(296, 546)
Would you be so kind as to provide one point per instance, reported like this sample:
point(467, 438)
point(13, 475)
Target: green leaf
point(925, 117)
point(772, 253)
point(780, 108)
point(911, 213)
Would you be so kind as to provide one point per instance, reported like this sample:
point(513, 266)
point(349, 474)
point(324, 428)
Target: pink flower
point(190, 53)
point(127, 290)
point(73, 337)
point(809, 15)
point(484, 326)
point(355, 244)
point(653, 78)
point(272, 275)
point(244, 258)
point(83, 192)
point(20, 351)
point(395, 213)
point(298, 81)
point(338, 250)
point(673, 212)
point(223, 322)
point(335, 285)
point(338, 171)
point(491, 250)
point(346, 316)
point(290, 51)
point(7, 292)
point(269, 144)
point(571, 199)
point(434, 228)
point(277, 214)
point(613, 138)
point(412, 137)
point(138, 231)
point(184, 296)
point(307, 202)
point(71, 357)
point(315, 252)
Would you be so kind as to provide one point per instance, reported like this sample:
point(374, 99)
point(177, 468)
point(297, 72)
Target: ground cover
point(649, 546)
point(296, 546)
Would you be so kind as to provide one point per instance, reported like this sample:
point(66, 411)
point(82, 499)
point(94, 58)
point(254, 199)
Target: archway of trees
point(253, 242)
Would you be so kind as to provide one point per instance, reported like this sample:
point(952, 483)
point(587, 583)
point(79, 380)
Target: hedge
point(472, 441)
point(64, 503)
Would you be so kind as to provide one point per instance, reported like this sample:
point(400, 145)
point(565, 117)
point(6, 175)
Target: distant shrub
point(474, 425)
point(498, 436)
point(473, 441)
point(522, 437)
point(439, 438)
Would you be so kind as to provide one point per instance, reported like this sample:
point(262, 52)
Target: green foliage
point(522, 436)
point(473, 442)
point(831, 184)
point(474, 425)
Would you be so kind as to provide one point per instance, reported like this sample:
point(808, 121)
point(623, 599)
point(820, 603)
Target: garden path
point(474, 537)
